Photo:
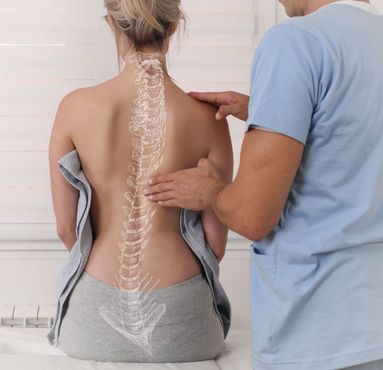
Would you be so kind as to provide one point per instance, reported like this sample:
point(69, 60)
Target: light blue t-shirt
point(317, 279)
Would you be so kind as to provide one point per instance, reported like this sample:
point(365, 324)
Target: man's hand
point(228, 102)
point(195, 189)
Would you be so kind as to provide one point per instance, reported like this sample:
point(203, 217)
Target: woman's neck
point(148, 59)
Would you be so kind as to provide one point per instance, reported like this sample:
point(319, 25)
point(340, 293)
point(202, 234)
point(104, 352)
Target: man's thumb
point(223, 112)
point(203, 162)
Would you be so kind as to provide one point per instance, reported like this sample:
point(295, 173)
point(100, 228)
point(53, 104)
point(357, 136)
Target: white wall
point(49, 48)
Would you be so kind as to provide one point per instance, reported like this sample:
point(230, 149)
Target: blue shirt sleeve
point(285, 80)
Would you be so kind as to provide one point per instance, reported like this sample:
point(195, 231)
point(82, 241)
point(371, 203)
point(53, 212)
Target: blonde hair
point(145, 23)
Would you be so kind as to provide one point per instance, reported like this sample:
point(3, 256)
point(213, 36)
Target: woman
point(143, 295)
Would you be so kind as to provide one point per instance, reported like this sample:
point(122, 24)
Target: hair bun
point(145, 22)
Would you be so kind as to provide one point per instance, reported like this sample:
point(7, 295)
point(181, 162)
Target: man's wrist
point(216, 189)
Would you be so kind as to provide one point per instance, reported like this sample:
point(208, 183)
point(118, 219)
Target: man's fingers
point(228, 102)
point(159, 179)
point(203, 162)
point(162, 197)
point(224, 111)
point(215, 98)
point(169, 204)
point(159, 188)
point(227, 110)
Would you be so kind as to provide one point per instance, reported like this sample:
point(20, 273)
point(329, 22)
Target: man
point(309, 189)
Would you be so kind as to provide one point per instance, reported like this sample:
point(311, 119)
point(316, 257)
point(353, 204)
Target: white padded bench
point(28, 349)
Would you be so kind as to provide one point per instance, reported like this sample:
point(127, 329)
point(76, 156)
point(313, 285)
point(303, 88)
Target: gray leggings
point(189, 329)
point(374, 365)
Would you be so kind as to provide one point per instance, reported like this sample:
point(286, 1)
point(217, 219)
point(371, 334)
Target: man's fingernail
point(218, 116)
point(150, 197)
point(150, 181)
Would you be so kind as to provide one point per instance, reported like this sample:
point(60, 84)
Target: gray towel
point(191, 229)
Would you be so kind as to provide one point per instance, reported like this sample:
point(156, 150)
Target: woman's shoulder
point(197, 113)
point(205, 115)
point(86, 96)
point(86, 103)
point(199, 121)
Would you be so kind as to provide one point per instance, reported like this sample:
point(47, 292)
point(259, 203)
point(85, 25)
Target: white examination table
point(28, 349)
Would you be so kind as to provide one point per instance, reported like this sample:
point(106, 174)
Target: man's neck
point(313, 6)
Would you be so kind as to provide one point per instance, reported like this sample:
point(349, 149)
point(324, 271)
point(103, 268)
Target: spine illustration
point(134, 313)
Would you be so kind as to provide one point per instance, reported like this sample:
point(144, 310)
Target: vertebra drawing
point(133, 312)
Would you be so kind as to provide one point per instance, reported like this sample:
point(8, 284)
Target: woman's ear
point(172, 29)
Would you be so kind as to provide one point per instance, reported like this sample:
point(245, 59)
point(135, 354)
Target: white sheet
point(28, 349)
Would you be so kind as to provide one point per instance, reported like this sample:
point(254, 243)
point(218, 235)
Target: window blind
point(51, 47)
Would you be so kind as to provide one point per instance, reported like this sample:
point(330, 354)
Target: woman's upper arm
point(221, 153)
point(221, 150)
point(64, 195)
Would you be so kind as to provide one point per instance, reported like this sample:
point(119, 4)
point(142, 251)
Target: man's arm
point(285, 89)
point(252, 204)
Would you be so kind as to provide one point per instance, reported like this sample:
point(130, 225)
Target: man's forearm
point(232, 207)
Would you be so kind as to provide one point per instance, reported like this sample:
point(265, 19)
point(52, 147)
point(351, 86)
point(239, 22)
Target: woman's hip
point(173, 324)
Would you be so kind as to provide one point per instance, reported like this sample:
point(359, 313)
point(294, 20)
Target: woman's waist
point(143, 223)
point(165, 257)
point(157, 237)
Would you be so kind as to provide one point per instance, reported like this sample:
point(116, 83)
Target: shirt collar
point(359, 4)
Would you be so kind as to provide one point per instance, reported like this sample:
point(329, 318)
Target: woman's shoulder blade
point(193, 110)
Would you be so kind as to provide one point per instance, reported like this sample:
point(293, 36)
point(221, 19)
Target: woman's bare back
point(106, 146)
